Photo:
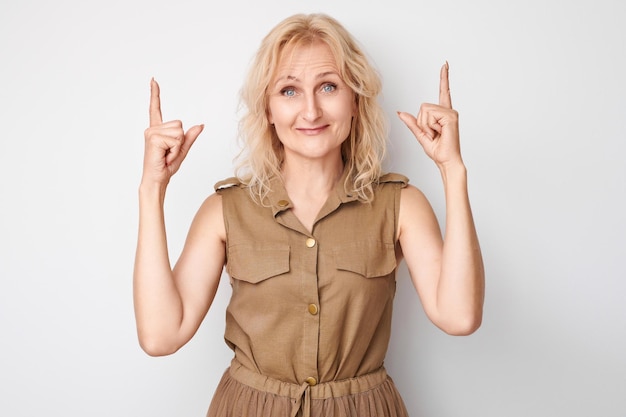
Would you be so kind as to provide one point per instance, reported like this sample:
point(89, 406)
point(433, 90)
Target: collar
point(279, 200)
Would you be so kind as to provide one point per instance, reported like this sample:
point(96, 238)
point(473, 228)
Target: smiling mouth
point(311, 130)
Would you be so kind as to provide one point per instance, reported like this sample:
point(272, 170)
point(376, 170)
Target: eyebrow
point(318, 76)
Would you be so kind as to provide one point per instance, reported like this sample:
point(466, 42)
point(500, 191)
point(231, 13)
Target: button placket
point(311, 310)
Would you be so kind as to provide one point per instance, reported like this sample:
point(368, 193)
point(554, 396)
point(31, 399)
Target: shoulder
point(235, 196)
point(208, 221)
point(391, 184)
point(412, 195)
point(414, 207)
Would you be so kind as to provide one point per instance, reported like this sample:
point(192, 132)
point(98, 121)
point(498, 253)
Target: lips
point(311, 131)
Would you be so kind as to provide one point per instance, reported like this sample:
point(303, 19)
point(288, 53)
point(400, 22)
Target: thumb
point(191, 136)
point(411, 122)
point(180, 153)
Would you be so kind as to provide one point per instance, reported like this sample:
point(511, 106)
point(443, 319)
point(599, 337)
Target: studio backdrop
point(539, 86)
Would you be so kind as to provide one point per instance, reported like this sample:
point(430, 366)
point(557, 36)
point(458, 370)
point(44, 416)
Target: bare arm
point(170, 304)
point(448, 274)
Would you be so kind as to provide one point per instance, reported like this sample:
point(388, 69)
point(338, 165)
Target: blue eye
point(329, 88)
point(288, 92)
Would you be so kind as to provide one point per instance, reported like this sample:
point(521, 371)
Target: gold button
point(310, 242)
point(313, 309)
point(311, 381)
point(283, 203)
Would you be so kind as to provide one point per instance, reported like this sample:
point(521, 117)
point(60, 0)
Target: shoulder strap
point(227, 183)
point(393, 177)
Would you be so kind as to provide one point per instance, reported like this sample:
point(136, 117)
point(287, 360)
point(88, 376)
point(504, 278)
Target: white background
point(542, 98)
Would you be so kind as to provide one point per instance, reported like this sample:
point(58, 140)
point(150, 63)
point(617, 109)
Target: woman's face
point(310, 106)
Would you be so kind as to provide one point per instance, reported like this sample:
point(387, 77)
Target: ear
point(270, 119)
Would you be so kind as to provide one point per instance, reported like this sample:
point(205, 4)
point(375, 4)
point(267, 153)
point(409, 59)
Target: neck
point(312, 178)
point(309, 185)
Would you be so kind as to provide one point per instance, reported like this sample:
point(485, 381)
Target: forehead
point(315, 56)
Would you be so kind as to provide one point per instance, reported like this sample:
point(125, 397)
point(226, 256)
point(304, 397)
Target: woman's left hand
point(436, 127)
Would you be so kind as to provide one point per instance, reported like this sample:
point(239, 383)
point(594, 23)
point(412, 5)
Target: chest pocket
point(254, 264)
point(370, 259)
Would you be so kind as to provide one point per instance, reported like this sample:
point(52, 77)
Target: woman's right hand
point(166, 144)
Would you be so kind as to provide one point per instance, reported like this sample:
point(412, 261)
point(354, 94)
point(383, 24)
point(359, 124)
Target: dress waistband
point(303, 394)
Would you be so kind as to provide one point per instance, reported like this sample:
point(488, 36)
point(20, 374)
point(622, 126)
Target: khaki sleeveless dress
point(309, 319)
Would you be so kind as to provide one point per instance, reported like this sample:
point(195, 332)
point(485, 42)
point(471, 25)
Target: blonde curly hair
point(262, 153)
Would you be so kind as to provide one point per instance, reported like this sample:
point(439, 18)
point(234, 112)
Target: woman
point(310, 232)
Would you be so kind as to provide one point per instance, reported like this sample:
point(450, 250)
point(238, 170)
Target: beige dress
point(309, 319)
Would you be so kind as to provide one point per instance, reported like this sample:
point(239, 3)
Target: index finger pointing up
point(155, 104)
point(444, 87)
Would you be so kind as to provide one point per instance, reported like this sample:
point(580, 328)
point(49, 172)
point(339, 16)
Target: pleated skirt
point(244, 393)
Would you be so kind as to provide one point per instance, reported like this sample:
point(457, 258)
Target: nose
point(312, 110)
